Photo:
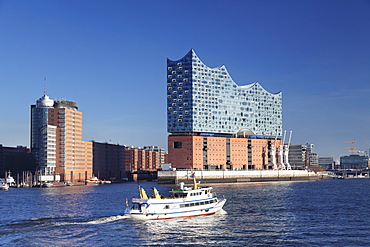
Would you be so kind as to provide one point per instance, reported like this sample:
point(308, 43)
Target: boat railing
point(138, 200)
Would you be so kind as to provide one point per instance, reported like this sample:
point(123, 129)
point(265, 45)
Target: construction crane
point(352, 149)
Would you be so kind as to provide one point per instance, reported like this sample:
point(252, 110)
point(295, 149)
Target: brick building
point(116, 162)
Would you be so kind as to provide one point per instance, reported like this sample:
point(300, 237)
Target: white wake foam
point(95, 221)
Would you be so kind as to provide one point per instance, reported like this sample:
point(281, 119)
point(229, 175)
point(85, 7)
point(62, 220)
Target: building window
point(177, 145)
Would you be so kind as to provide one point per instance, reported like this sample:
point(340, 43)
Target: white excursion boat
point(183, 202)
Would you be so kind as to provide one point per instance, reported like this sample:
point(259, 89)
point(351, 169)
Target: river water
point(315, 213)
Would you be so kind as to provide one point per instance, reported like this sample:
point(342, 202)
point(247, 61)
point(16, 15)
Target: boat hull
point(54, 184)
point(199, 211)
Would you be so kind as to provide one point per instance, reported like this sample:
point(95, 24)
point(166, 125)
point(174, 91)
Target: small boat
point(54, 184)
point(10, 180)
point(76, 183)
point(93, 181)
point(96, 181)
point(3, 185)
point(183, 202)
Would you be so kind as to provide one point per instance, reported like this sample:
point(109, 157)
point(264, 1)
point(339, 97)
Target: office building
point(327, 162)
point(298, 156)
point(354, 161)
point(39, 120)
point(56, 141)
point(312, 157)
point(216, 124)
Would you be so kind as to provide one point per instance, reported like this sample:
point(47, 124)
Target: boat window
point(207, 202)
point(201, 203)
point(187, 205)
point(167, 207)
point(182, 205)
point(191, 204)
point(178, 195)
point(197, 204)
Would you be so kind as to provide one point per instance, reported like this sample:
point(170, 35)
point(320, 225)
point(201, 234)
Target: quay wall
point(235, 176)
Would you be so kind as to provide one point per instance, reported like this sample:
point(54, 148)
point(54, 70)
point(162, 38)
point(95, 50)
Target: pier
point(236, 176)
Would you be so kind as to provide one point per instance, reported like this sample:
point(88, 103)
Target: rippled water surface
point(318, 213)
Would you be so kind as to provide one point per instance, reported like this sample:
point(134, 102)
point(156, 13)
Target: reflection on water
point(65, 201)
point(195, 230)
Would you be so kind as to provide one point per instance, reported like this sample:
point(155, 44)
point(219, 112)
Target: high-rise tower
point(56, 140)
point(40, 132)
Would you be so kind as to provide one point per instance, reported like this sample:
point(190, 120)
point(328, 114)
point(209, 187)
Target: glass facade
point(47, 150)
point(39, 119)
point(201, 99)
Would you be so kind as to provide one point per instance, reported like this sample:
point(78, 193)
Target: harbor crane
point(284, 153)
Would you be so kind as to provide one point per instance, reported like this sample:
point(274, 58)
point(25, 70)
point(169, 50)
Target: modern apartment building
point(214, 123)
point(56, 141)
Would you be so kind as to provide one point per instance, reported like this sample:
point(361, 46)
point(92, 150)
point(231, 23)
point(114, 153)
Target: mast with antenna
point(44, 85)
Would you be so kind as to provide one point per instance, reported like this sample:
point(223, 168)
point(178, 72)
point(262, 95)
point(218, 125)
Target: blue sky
point(110, 58)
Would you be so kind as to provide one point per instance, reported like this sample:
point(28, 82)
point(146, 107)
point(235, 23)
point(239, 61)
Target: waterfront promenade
point(235, 176)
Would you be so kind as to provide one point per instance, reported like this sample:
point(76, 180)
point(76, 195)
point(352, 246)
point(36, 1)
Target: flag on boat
point(192, 175)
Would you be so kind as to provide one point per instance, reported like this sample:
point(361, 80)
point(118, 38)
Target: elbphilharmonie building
point(216, 124)
point(201, 99)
